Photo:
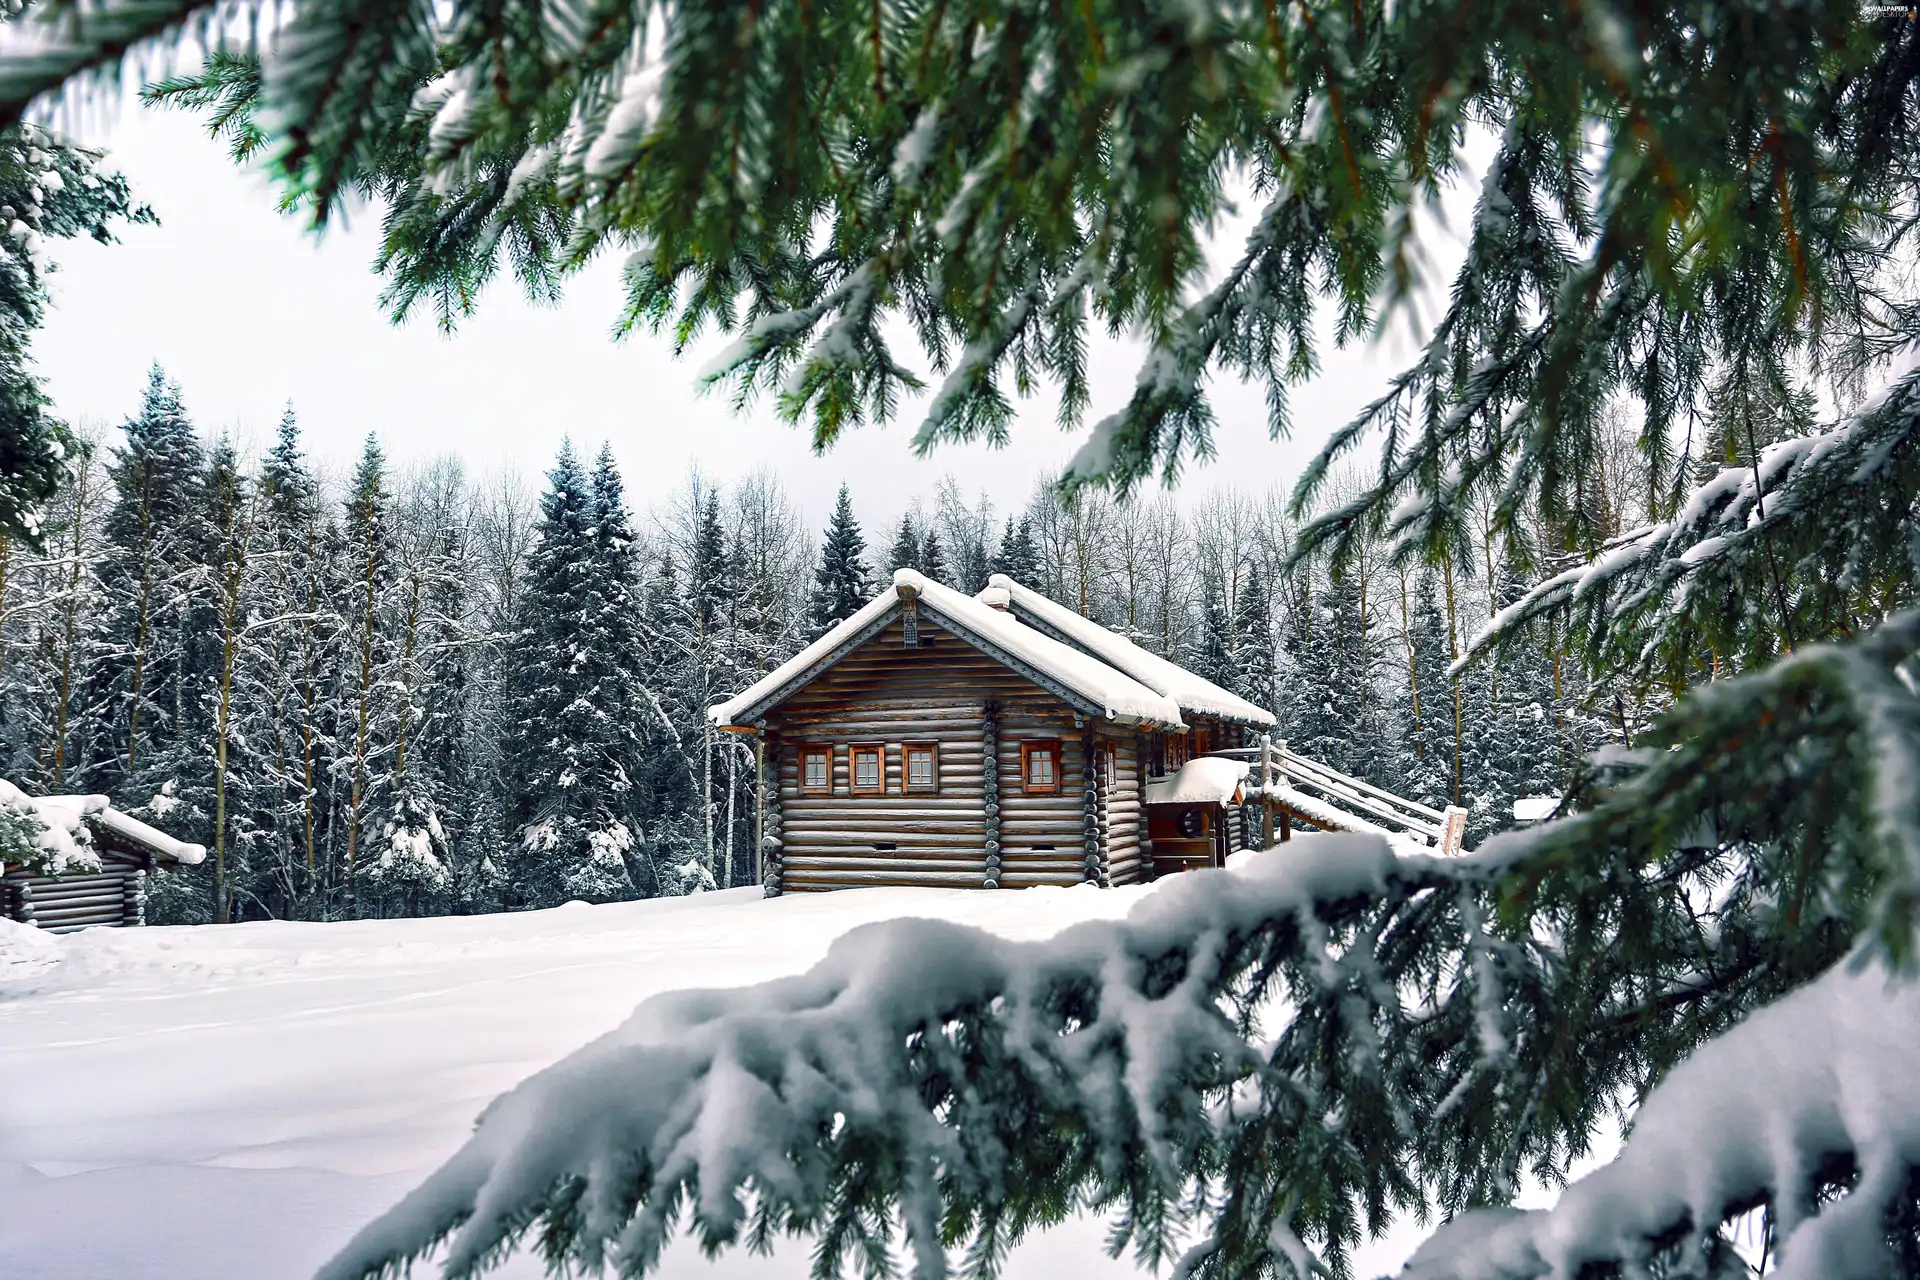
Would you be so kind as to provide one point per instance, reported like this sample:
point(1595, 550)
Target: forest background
point(406, 690)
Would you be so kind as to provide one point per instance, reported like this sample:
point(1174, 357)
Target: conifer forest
point(385, 690)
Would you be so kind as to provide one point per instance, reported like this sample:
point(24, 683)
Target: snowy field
point(235, 1101)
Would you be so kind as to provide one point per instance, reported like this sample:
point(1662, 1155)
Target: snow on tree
point(1253, 652)
point(570, 800)
point(933, 559)
point(905, 552)
point(1265, 1053)
point(1016, 556)
point(49, 190)
point(842, 582)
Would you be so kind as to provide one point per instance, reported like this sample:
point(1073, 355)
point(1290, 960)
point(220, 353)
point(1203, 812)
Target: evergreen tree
point(1337, 712)
point(842, 584)
point(1425, 738)
point(933, 560)
point(365, 701)
point(153, 534)
point(1253, 642)
point(1018, 557)
point(1213, 652)
point(48, 190)
point(286, 676)
point(906, 546)
point(571, 788)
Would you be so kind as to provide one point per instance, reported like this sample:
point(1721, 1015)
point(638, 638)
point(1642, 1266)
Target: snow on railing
point(1340, 802)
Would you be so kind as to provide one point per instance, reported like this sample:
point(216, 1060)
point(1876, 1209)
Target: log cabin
point(105, 856)
point(991, 741)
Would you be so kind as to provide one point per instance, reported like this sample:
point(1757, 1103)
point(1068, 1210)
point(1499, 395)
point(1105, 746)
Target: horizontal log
point(897, 809)
point(71, 905)
point(49, 902)
point(1013, 879)
point(52, 884)
point(80, 884)
point(50, 920)
point(796, 843)
point(805, 882)
point(814, 865)
point(868, 820)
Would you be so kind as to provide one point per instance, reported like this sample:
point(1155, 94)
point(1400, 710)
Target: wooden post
point(1266, 789)
point(1454, 833)
point(760, 802)
point(1286, 826)
point(770, 845)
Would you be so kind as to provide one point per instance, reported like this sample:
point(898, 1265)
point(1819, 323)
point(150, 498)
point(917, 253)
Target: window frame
point(879, 750)
point(809, 749)
point(1044, 746)
point(907, 785)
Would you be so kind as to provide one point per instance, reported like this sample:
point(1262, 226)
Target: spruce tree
point(1253, 642)
point(568, 734)
point(932, 561)
point(905, 553)
point(1425, 715)
point(842, 584)
point(365, 693)
point(289, 668)
point(1337, 712)
point(49, 190)
point(153, 535)
point(1213, 651)
point(1018, 557)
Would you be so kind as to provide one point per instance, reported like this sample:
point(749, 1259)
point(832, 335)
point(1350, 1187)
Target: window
point(922, 765)
point(1040, 768)
point(816, 769)
point(867, 772)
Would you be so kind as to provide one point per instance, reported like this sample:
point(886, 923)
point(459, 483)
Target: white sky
point(246, 310)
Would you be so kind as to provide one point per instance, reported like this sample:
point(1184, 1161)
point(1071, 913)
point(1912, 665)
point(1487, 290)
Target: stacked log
point(16, 894)
point(990, 789)
point(1090, 807)
point(74, 902)
point(133, 905)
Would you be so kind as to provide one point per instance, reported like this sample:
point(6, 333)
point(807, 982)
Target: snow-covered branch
point(962, 1080)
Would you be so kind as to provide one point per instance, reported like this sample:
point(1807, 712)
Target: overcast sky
point(247, 310)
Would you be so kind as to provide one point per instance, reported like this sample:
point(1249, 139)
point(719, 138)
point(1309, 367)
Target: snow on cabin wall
point(888, 695)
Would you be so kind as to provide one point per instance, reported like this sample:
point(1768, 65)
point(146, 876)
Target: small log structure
point(127, 850)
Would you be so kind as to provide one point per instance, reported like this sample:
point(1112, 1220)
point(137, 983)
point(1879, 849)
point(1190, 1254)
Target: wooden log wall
point(1124, 814)
point(990, 790)
point(939, 692)
point(115, 895)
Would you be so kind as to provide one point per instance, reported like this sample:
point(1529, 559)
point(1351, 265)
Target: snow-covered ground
point(235, 1101)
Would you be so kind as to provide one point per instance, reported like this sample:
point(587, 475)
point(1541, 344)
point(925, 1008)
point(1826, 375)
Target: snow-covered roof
point(1191, 692)
point(1113, 692)
point(1203, 780)
point(63, 817)
point(1534, 808)
point(160, 842)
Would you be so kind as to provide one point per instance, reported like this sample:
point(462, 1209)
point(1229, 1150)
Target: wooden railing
point(1289, 785)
